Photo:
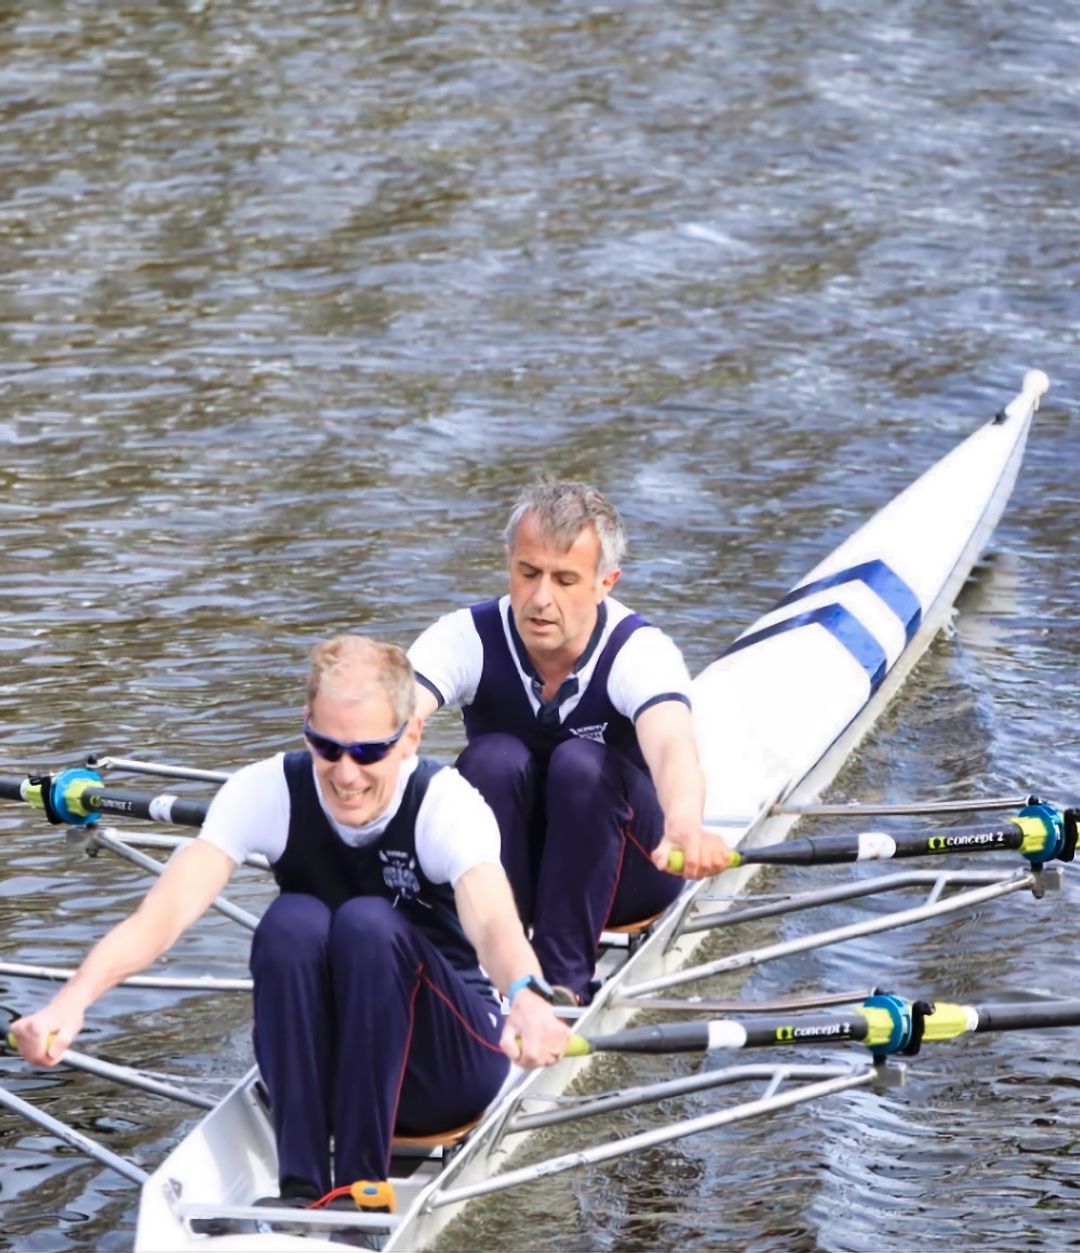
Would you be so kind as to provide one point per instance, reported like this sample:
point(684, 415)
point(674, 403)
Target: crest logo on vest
point(399, 873)
point(595, 732)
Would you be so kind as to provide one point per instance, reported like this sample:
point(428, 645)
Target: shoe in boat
point(563, 996)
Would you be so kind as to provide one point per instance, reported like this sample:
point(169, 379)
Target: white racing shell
point(776, 716)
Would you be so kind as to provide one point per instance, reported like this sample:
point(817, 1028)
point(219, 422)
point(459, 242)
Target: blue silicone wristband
point(517, 985)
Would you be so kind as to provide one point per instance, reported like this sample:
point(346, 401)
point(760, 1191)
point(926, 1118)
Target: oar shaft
point(884, 846)
point(11, 788)
point(84, 796)
point(1039, 832)
point(885, 1024)
point(177, 811)
point(727, 1033)
point(1027, 1015)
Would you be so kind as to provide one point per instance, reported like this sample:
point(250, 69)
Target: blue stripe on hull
point(879, 578)
point(840, 623)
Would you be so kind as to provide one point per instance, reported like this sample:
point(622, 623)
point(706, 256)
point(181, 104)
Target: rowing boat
point(776, 715)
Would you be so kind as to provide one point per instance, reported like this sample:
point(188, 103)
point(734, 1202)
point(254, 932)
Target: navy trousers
point(362, 1028)
point(575, 842)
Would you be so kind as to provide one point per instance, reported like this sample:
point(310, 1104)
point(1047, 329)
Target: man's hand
point(703, 853)
point(533, 1035)
point(43, 1038)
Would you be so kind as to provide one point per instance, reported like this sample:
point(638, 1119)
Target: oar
point(78, 797)
point(1039, 832)
point(885, 1024)
point(107, 1070)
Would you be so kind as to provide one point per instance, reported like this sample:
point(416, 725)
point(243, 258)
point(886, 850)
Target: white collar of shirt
point(614, 614)
point(357, 837)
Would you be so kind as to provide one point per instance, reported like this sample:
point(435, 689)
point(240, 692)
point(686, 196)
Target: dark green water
point(293, 296)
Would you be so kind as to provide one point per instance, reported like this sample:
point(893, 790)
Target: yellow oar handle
point(577, 1046)
point(676, 861)
point(12, 1043)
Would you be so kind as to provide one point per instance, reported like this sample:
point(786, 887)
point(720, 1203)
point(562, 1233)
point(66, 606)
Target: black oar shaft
point(875, 846)
point(1028, 1015)
point(178, 811)
point(687, 1037)
point(808, 1029)
point(884, 1023)
point(11, 787)
point(699, 1037)
point(95, 797)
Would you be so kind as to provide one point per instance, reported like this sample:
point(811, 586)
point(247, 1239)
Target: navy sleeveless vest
point(501, 703)
point(317, 862)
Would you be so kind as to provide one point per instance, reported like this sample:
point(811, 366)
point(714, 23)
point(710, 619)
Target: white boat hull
point(776, 717)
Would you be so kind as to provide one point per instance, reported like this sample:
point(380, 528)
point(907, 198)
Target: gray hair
point(563, 508)
point(353, 666)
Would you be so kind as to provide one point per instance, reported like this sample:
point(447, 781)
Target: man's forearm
point(190, 882)
point(505, 953)
point(487, 911)
point(125, 950)
point(680, 785)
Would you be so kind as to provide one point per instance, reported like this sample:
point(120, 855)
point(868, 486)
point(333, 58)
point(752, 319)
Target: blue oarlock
point(900, 1012)
point(61, 802)
point(1051, 819)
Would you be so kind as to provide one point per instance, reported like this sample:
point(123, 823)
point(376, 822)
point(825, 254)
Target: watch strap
point(533, 983)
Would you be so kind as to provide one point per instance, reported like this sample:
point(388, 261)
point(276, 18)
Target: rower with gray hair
point(580, 738)
point(561, 509)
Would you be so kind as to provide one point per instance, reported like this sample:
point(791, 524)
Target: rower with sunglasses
point(375, 968)
point(577, 715)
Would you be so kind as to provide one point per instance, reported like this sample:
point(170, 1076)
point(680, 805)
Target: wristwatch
point(535, 983)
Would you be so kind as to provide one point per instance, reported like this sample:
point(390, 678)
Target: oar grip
point(676, 861)
point(577, 1046)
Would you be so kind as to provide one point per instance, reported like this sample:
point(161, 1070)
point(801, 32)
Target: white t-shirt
point(449, 659)
point(455, 829)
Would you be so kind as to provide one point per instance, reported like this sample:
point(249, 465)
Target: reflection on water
point(293, 297)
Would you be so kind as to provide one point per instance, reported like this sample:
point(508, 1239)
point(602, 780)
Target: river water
point(295, 295)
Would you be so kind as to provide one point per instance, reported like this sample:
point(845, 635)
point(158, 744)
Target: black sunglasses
point(363, 752)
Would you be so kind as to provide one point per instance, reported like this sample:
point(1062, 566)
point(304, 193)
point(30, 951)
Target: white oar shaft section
point(75, 1138)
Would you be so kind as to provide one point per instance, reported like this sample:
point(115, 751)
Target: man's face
point(554, 592)
point(356, 794)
